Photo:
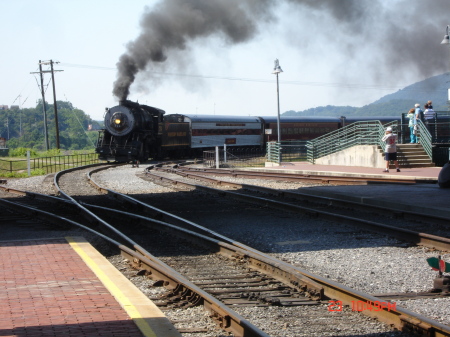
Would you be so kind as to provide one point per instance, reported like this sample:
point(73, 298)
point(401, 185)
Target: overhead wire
point(76, 117)
point(242, 79)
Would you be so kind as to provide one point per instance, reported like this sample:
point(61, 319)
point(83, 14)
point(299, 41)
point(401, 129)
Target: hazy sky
point(216, 56)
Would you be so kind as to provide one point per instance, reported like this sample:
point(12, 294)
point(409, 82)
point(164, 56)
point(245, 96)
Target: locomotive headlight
point(119, 120)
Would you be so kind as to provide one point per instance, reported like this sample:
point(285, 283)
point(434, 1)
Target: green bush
point(51, 153)
point(22, 152)
point(38, 172)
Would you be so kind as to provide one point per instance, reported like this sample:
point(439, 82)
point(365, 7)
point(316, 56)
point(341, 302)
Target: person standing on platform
point(430, 117)
point(418, 116)
point(390, 151)
point(418, 112)
point(411, 116)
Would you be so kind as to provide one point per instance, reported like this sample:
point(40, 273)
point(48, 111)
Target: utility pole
point(43, 106)
point(54, 104)
point(7, 126)
point(54, 100)
point(20, 117)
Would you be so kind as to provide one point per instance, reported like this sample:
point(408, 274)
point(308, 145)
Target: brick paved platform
point(46, 289)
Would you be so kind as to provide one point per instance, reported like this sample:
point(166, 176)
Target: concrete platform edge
point(342, 174)
point(146, 315)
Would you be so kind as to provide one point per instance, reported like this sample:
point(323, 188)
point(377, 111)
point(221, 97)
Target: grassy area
point(38, 172)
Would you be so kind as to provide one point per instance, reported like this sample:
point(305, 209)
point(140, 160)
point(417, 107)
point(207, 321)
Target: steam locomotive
point(131, 133)
point(135, 132)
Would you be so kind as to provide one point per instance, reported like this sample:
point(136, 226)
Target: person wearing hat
point(390, 151)
point(418, 113)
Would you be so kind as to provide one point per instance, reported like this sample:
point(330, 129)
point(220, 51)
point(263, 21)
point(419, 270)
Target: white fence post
point(224, 153)
point(217, 157)
point(28, 163)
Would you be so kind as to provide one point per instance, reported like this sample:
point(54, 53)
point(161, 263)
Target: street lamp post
point(276, 70)
point(446, 41)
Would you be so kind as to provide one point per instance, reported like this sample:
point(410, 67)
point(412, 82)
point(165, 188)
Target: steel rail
point(423, 239)
point(364, 204)
point(224, 316)
point(303, 284)
point(400, 318)
point(250, 174)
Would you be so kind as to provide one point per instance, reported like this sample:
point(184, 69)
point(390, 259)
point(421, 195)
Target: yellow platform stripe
point(114, 290)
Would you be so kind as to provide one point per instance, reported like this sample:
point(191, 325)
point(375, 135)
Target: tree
point(26, 127)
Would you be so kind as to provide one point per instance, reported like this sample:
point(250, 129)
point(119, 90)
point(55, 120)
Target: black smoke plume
point(402, 35)
point(172, 24)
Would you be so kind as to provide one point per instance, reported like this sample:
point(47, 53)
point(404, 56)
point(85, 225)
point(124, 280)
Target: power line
point(243, 79)
point(79, 122)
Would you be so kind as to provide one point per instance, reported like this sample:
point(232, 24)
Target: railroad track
point(285, 284)
point(358, 203)
point(286, 200)
point(309, 178)
point(32, 204)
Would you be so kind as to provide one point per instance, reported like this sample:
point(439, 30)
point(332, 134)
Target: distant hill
point(434, 88)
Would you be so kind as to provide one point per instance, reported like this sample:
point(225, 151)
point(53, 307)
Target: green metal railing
point(359, 133)
point(273, 152)
point(48, 164)
point(425, 138)
point(286, 151)
point(439, 125)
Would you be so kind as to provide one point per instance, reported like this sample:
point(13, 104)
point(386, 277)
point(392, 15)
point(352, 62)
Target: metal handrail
point(273, 152)
point(425, 138)
point(358, 133)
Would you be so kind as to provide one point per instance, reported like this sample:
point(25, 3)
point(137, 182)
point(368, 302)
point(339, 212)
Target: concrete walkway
point(308, 168)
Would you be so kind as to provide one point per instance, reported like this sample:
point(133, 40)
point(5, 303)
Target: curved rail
point(306, 177)
point(226, 318)
point(364, 203)
point(423, 239)
point(401, 318)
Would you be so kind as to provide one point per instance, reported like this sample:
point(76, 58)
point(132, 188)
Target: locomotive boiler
point(131, 133)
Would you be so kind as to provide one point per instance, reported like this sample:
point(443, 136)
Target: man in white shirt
point(390, 151)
